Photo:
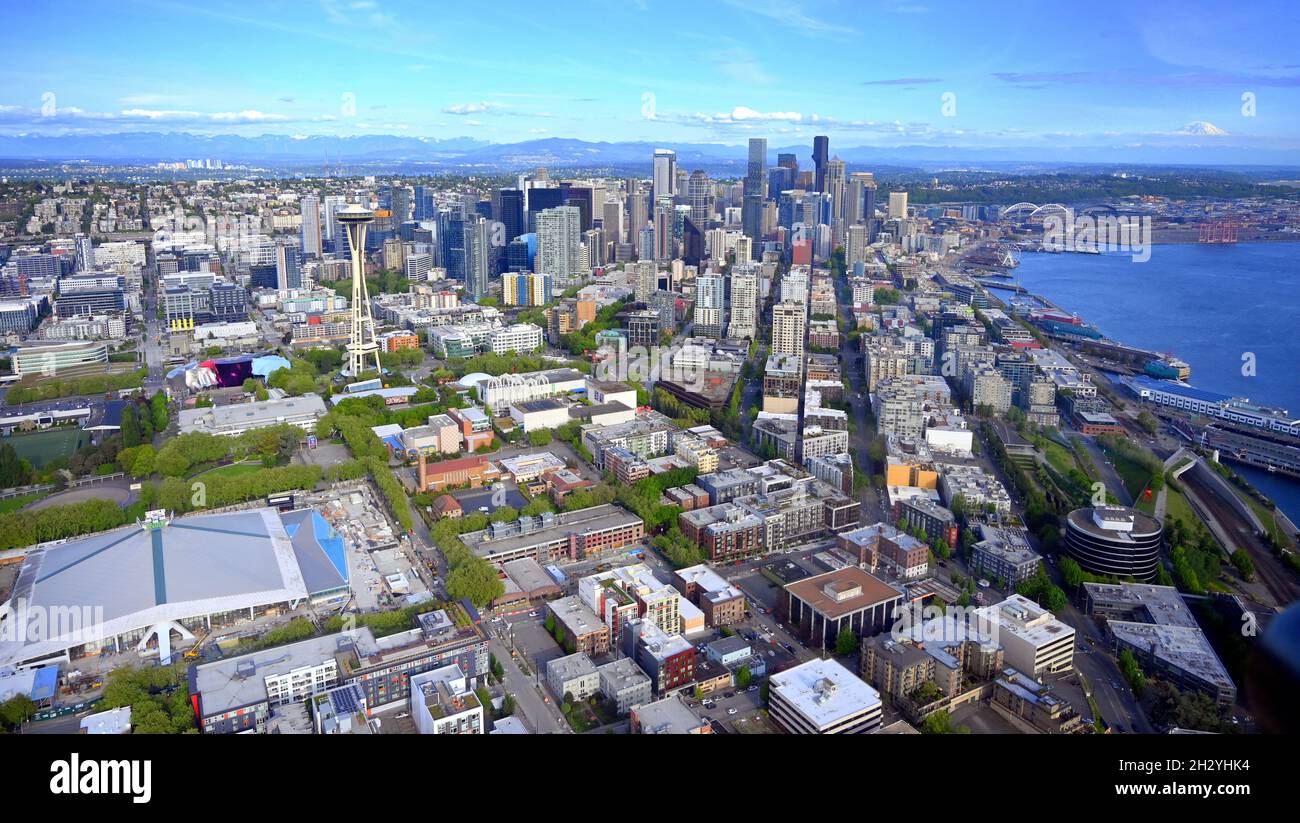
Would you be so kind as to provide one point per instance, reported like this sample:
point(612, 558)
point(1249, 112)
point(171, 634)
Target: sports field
point(42, 447)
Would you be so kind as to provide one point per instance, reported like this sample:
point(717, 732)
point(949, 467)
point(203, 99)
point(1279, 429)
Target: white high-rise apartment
point(710, 304)
point(559, 240)
point(789, 322)
point(744, 303)
point(855, 246)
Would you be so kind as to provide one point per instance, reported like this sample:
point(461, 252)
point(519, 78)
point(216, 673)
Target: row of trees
point(194, 451)
point(216, 491)
point(25, 528)
point(468, 575)
point(140, 421)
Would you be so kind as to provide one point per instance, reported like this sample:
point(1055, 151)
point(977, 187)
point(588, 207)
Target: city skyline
point(909, 75)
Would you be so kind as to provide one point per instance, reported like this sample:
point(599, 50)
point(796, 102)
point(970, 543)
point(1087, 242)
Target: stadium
point(140, 587)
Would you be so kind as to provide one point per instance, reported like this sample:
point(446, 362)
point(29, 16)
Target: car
point(533, 614)
point(707, 719)
point(732, 711)
point(730, 695)
point(752, 688)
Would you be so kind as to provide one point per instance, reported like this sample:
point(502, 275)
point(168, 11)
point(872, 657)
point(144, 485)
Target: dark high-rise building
point(424, 205)
point(263, 277)
point(579, 197)
point(539, 200)
point(780, 179)
point(510, 204)
point(785, 160)
point(228, 302)
point(453, 243)
point(820, 156)
point(692, 242)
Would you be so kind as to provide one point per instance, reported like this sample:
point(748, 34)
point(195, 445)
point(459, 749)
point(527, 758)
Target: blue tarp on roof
point(394, 442)
point(46, 684)
point(319, 549)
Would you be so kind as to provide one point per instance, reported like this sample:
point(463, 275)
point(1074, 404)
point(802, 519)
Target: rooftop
point(141, 575)
point(871, 591)
point(824, 691)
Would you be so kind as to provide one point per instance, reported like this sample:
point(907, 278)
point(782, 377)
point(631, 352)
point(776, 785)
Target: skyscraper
point(478, 256)
point(85, 253)
point(287, 273)
point(559, 237)
point(664, 243)
point(664, 177)
point(698, 192)
point(835, 187)
point(821, 150)
point(612, 220)
point(510, 211)
point(751, 216)
point(744, 302)
point(710, 304)
point(897, 204)
point(789, 323)
point(311, 241)
point(425, 208)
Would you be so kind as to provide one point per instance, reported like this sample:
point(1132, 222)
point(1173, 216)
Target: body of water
point(1217, 307)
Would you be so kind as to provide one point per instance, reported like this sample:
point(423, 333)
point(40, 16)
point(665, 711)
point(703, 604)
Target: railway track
point(1268, 571)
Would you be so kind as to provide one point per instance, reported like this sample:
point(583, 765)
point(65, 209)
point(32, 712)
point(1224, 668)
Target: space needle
point(361, 343)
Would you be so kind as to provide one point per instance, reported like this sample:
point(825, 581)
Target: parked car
point(731, 711)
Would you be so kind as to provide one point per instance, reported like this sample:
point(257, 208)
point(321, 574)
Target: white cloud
point(746, 113)
point(471, 108)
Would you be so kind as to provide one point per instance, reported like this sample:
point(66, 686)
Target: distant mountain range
point(470, 154)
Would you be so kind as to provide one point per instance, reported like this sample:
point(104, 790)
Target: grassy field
point(13, 504)
point(1265, 516)
point(1177, 507)
point(42, 447)
point(233, 470)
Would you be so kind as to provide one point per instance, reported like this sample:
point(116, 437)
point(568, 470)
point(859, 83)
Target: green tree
point(539, 437)
point(476, 581)
point(158, 410)
point(846, 642)
point(744, 677)
point(130, 427)
point(142, 462)
point(14, 471)
point(16, 710)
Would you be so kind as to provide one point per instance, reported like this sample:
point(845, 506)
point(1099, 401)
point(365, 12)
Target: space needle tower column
point(361, 344)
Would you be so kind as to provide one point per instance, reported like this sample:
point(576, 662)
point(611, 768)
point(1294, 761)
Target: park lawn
point(13, 504)
point(1135, 477)
point(1177, 507)
point(39, 448)
point(1144, 504)
point(1058, 456)
point(233, 470)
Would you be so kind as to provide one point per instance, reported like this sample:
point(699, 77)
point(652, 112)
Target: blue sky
point(866, 73)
